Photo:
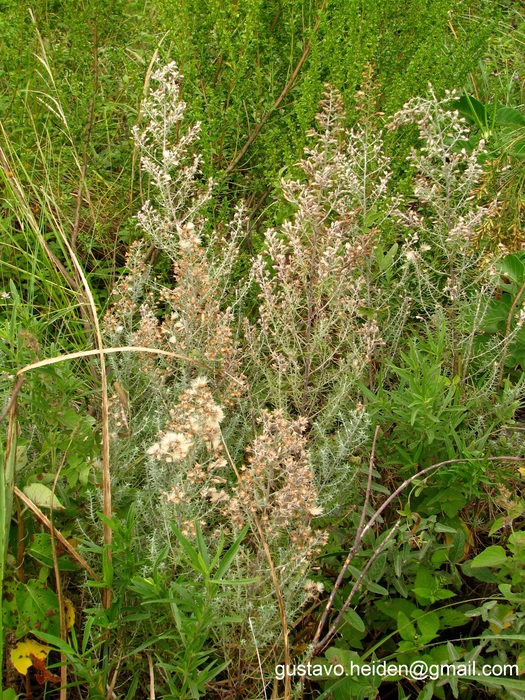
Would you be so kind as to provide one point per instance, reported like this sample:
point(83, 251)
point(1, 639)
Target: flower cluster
point(276, 488)
point(195, 418)
point(169, 160)
point(314, 274)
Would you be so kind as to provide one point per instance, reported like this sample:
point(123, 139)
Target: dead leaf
point(42, 673)
point(70, 613)
point(24, 652)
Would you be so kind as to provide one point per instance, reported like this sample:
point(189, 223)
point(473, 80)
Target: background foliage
point(431, 356)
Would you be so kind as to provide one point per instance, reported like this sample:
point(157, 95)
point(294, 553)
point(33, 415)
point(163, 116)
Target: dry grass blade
point(107, 351)
point(56, 533)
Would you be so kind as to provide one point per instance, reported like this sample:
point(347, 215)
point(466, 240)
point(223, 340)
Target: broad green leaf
point(405, 627)
point(512, 267)
point(429, 625)
point(393, 606)
point(42, 496)
point(443, 594)
point(518, 148)
point(481, 573)
point(473, 110)
point(37, 608)
point(493, 556)
point(456, 551)
point(510, 115)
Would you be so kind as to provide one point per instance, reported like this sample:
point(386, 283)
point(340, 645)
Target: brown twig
point(151, 677)
point(110, 695)
point(58, 582)
point(335, 625)
point(12, 399)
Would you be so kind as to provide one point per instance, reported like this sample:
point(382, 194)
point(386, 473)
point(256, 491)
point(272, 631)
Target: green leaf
point(405, 627)
point(37, 608)
point(354, 620)
point(513, 514)
point(510, 116)
point(515, 684)
point(429, 625)
point(191, 553)
point(41, 549)
point(518, 148)
point(230, 554)
point(378, 567)
point(42, 496)
point(201, 544)
point(56, 641)
point(392, 606)
point(512, 267)
point(473, 110)
point(506, 591)
point(428, 691)
point(425, 594)
point(443, 594)
point(481, 574)
point(493, 556)
point(456, 551)
point(376, 588)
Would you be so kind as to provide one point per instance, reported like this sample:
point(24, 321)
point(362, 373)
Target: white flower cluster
point(172, 447)
point(197, 416)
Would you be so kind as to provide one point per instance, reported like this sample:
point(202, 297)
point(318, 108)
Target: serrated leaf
point(42, 496)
